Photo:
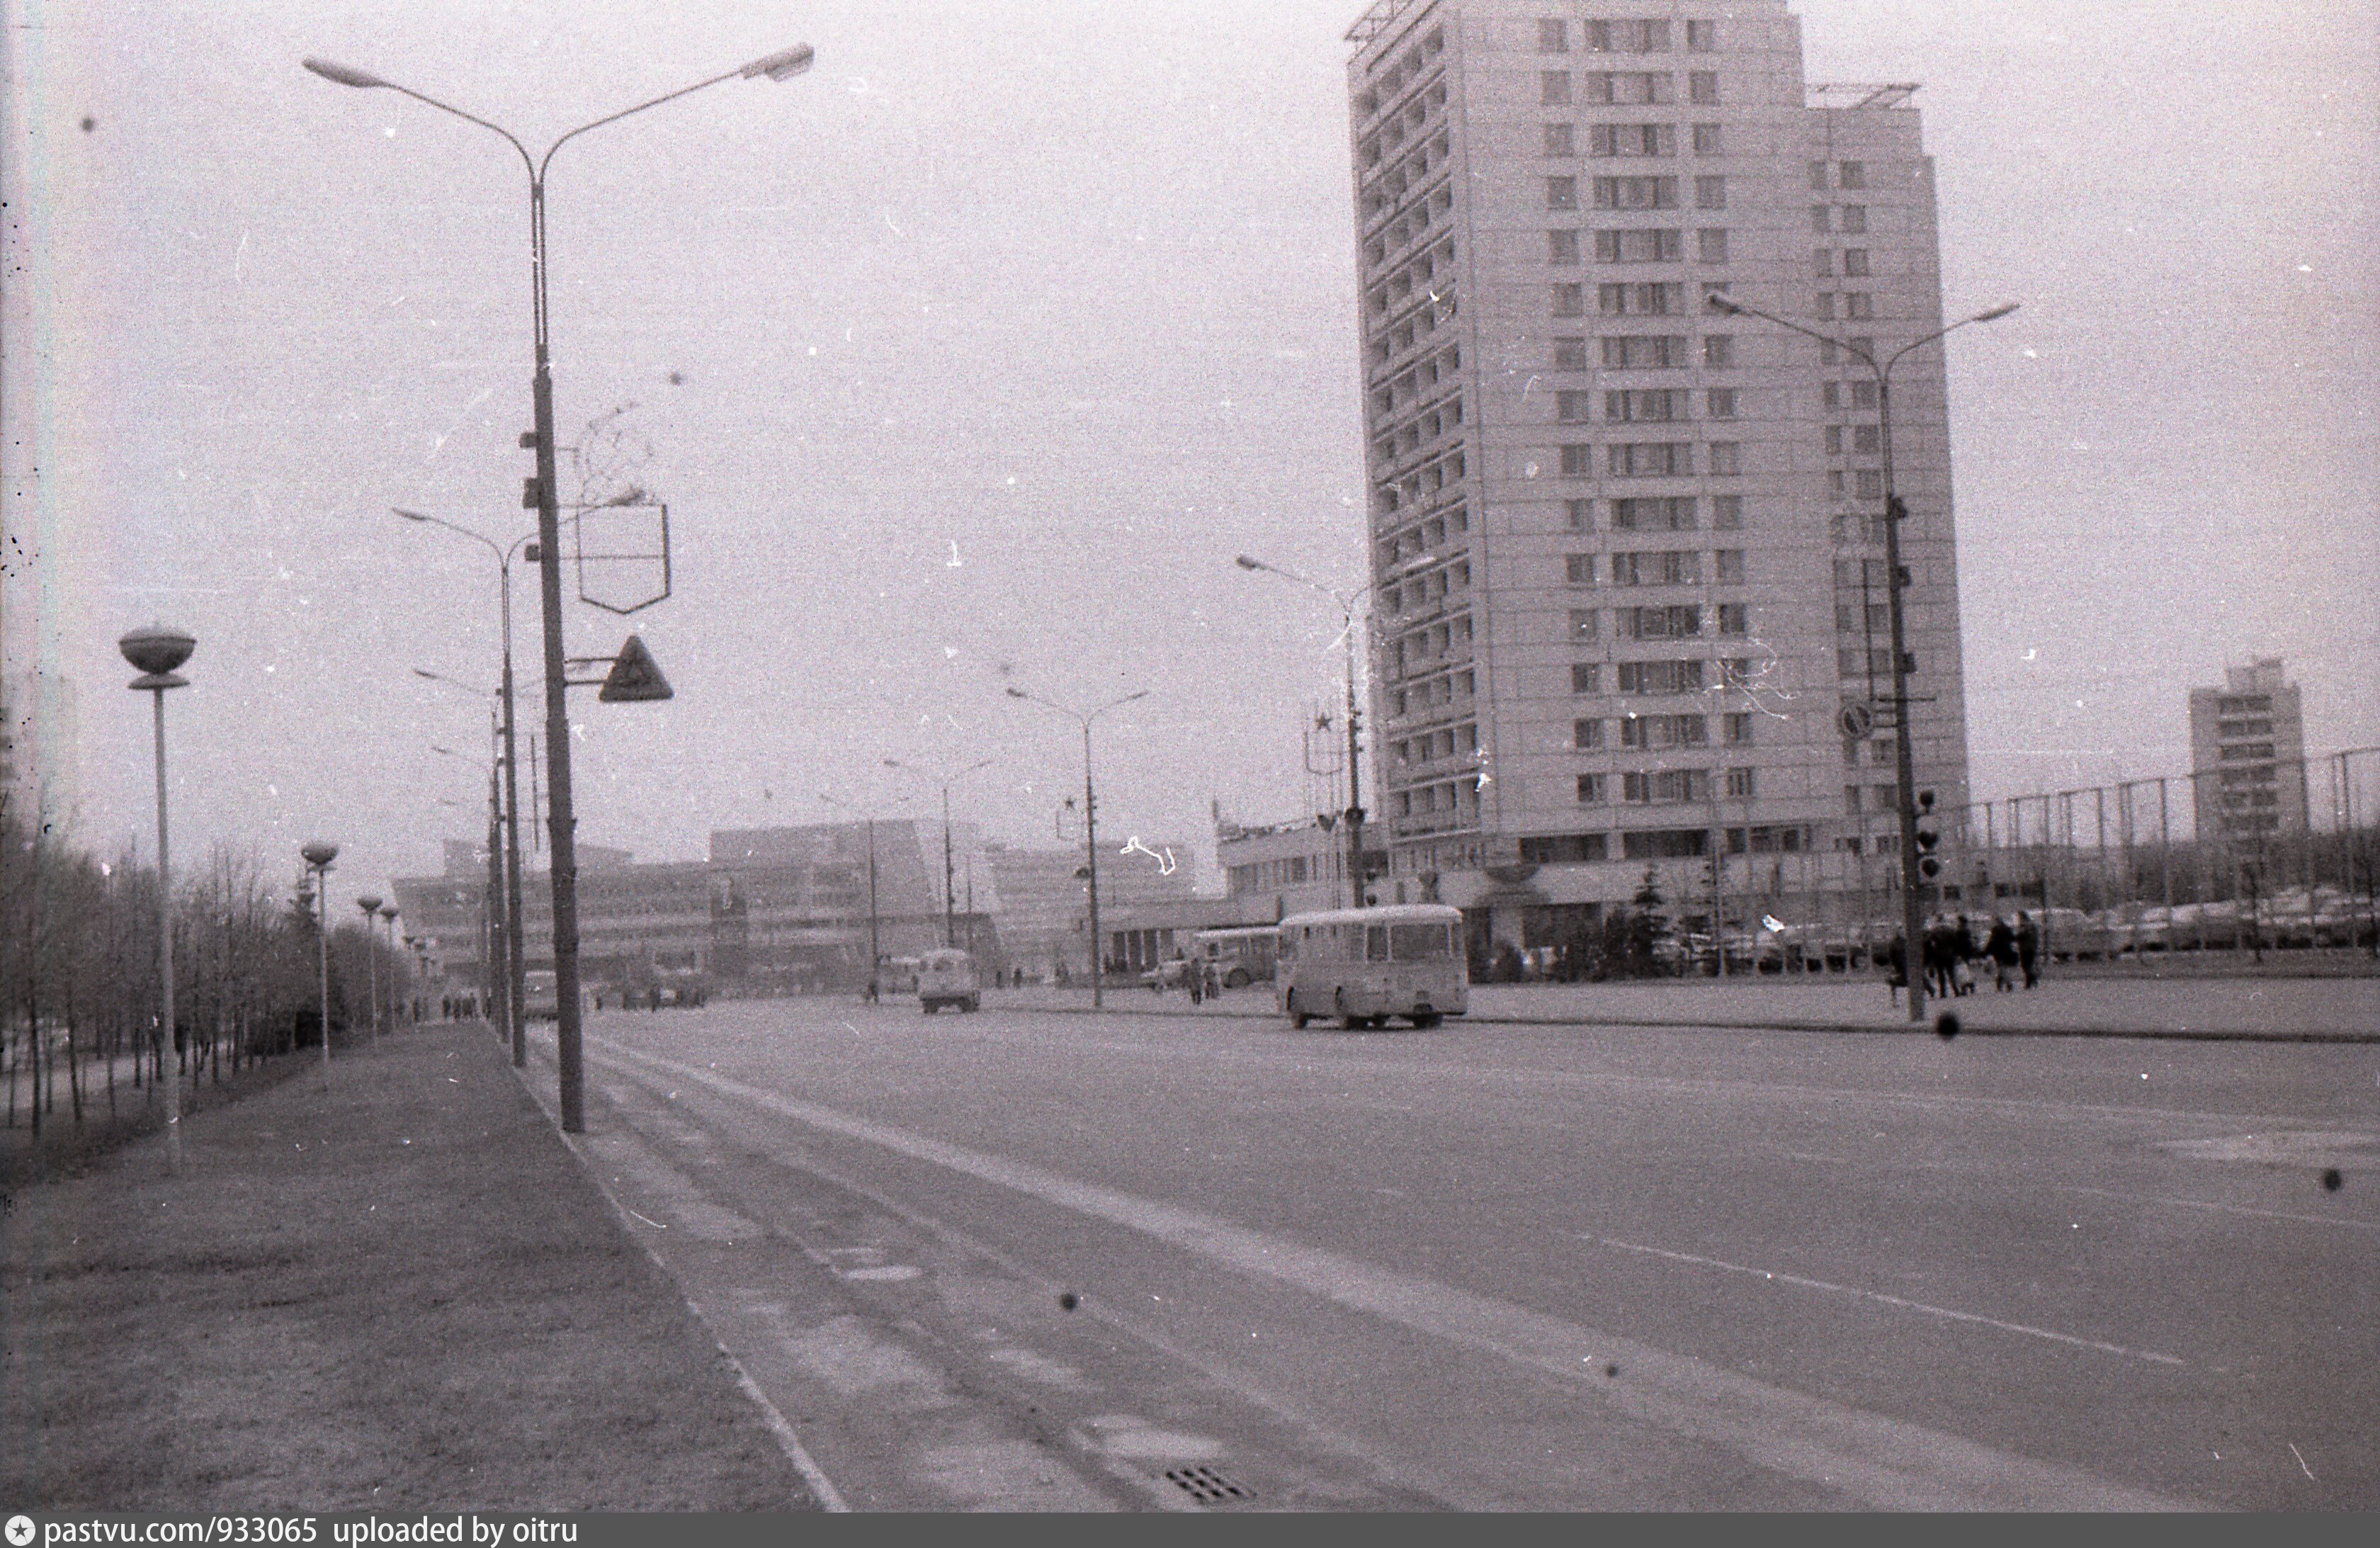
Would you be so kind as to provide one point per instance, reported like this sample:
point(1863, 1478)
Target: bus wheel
point(1297, 1017)
point(1236, 978)
point(1425, 1021)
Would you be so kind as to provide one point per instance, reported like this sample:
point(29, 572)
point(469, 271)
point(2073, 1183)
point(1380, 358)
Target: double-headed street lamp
point(945, 778)
point(1912, 876)
point(515, 989)
point(561, 822)
point(875, 917)
point(157, 651)
point(319, 854)
point(1090, 819)
point(1357, 892)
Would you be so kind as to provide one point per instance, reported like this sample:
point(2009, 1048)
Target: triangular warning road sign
point(635, 677)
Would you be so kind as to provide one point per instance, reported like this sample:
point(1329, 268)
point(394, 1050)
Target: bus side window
point(1376, 943)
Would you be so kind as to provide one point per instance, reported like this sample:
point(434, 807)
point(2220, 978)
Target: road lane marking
point(1885, 1462)
point(2227, 1209)
point(1880, 1297)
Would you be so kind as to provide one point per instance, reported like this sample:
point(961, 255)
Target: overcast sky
point(973, 357)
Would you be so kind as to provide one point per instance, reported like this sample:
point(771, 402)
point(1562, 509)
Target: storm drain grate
point(1205, 1485)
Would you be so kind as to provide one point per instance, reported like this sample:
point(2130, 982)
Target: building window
point(1573, 407)
point(1581, 514)
point(1727, 512)
point(1591, 789)
point(1817, 181)
point(1631, 139)
point(1570, 301)
point(1855, 263)
point(1707, 142)
point(1718, 403)
point(1582, 623)
point(1577, 461)
point(1739, 784)
point(1649, 459)
point(1710, 193)
point(1678, 621)
point(1668, 513)
point(1702, 86)
point(1862, 395)
point(1553, 37)
point(1586, 735)
point(1553, 87)
point(1579, 569)
point(1726, 458)
point(1655, 733)
point(1867, 439)
point(1586, 677)
point(1820, 219)
point(1647, 245)
point(1644, 352)
point(1826, 351)
point(1561, 140)
point(1702, 37)
point(1666, 787)
point(1643, 298)
point(1870, 484)
point(1833, 440)
point(1645, 404)
point(1628, 37)
point(1738, 729)
point(1635, 193)
point(1570, 354)
point(1822, 263)
point(1561, 247)
point(1853, 174)
point(1858, 305)
point(1710, 245)
point(1719, 351)
point(1680, 566)
point(1727, 565)
point(1561, 193)
point(1854, 219)
point(1633, 89)
point(1830, 395)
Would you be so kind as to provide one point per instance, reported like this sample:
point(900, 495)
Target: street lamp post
point(369, 904)
point(561, 822)
point(875, 945)
point(156, 650)
point(1903, 752)
point(950, 873)
point(388, 922)
point(503, 938)
point(1358, 894)
point(319, 855)
point(1090, 819)
point(515, 985)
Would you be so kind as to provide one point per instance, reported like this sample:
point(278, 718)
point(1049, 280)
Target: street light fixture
point(1358, 891)
point(319, 854)
point(950, 873)
point(1090, 818)
point(1912, 876)
point(501, 938)
point(156, 650)
point(515, 987)
point(560, 821)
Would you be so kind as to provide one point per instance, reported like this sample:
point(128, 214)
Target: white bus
point(1366, 965)
point(1239, 957)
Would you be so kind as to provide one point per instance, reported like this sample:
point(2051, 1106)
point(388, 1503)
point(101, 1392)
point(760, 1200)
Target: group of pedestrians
point(1954, 956)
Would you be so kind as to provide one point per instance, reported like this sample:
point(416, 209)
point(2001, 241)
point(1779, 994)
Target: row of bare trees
point(80, 997)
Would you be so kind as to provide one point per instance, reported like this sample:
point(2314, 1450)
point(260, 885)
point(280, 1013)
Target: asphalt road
point(1022, 1259)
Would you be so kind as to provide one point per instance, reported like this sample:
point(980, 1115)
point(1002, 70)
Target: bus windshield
point(1419, 943)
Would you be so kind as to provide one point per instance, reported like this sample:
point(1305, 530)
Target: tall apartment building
point(1628, 549)
point(2247, 755)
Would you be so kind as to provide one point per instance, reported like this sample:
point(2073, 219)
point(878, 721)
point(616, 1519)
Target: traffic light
point(1928, 866)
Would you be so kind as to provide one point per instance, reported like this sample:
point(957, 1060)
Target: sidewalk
point(400, 1295)
point(2318, 1010)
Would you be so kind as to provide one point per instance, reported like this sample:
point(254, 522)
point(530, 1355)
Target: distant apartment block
point(1628, 551)
point(2247, 755)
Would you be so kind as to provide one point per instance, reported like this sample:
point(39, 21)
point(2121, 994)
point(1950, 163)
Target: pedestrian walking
point(1896, 959)
point(1195, 979)
point(2028, 948)
point(2000, 946)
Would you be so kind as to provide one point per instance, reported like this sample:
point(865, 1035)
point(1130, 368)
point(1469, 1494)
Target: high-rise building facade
point(1628, 549)
point(2247, 755)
